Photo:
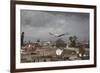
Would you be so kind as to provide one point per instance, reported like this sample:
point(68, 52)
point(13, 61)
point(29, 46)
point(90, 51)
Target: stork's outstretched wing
point(56, 35)
point(51, 33)
point(63, 34)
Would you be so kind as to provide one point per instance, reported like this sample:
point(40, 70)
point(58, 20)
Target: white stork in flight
point(59, 35)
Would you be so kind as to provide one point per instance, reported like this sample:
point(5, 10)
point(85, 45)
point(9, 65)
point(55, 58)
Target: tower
point(22, 38)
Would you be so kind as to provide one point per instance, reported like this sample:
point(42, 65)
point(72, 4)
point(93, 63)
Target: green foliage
point(72, 40)
point(60, 43)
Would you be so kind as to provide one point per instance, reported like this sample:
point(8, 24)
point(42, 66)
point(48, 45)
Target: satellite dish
point(59, 52)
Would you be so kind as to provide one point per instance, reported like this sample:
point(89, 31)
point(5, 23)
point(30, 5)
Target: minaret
point(22, 38)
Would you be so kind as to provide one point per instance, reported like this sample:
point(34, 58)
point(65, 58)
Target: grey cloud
point(37, 24)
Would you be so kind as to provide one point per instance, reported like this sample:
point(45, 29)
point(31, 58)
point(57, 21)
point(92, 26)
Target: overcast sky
point(38, 24)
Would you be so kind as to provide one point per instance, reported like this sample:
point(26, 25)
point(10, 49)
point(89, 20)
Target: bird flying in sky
point(59, 35)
